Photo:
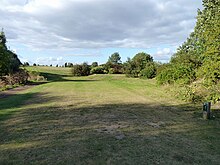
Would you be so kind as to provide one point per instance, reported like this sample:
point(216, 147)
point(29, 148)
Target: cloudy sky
point(59, 31)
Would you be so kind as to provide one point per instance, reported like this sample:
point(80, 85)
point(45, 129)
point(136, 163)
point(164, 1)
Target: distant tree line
point(141, 65)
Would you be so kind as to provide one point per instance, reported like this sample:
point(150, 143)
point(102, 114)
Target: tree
point(114, 58)
point(141, 59)
point(9, 62)
point(114, 65)
point(70, 64)
point(4, 56)
point(94, 64)
point(208, 29)
point(134, 66)
point(65, 65)
point(149, 71)
point(26, 64)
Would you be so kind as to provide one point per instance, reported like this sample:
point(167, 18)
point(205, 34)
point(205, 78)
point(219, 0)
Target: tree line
point(141, 65)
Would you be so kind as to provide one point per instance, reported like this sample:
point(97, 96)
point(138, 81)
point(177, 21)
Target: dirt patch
point(14, 91)
point(113, 129)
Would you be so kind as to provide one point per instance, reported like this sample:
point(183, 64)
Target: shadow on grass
point(58, 77)
point(10, 105)
point(109, 134)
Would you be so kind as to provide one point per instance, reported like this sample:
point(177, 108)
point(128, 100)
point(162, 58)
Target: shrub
point(182, 74)
point(97, 70)
point(35, 76)
point(149, 71)
point(81, 70)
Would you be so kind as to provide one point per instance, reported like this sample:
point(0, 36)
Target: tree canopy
point(9, 62)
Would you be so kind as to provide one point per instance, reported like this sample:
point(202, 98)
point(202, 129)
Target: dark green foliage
point(170, 74)
point(114, 58)
point(9, 62)
point(94, 64)
point(14, 62)
point(4, 61)
point(81, 70)
point(26, 64)
point(98, 70)
point(130, 68)
point(149, 71)
point(141, 59)
point(141, 65)
point(114, 65)
point(69, 64)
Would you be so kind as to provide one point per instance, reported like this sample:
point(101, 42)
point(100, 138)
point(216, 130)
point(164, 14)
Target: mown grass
point(104, 119)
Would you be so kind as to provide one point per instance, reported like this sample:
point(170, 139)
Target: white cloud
point(49, 60)
point(58, 24)
point(163, 54)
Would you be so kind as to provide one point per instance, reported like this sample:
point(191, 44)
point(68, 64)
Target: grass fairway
point(103, 119)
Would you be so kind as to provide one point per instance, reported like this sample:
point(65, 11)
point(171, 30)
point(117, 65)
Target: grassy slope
point(103, 119)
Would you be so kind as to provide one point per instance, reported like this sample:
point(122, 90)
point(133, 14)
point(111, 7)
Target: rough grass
point(104, 119)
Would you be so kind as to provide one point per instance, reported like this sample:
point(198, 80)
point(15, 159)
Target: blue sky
point(59, 31)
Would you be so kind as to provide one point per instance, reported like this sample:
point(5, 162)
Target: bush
point(149, 71)
point(35, 76)
point(19, 77)
point(81, 70)
point(97, 70)
point(176, 73)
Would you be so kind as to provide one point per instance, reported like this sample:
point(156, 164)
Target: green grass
point(51, 73)
point(103, 119)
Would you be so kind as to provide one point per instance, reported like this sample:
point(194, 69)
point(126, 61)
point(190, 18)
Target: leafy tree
point(208, 23)
point(130, 68)
point(26, 64)
point(133, 67)
point(149, 71)
point(9, 62)
point(94, 64)
point(141, 59)
point(114, 65)
point(70, 64)
point(4, 56)
point(114, 59)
